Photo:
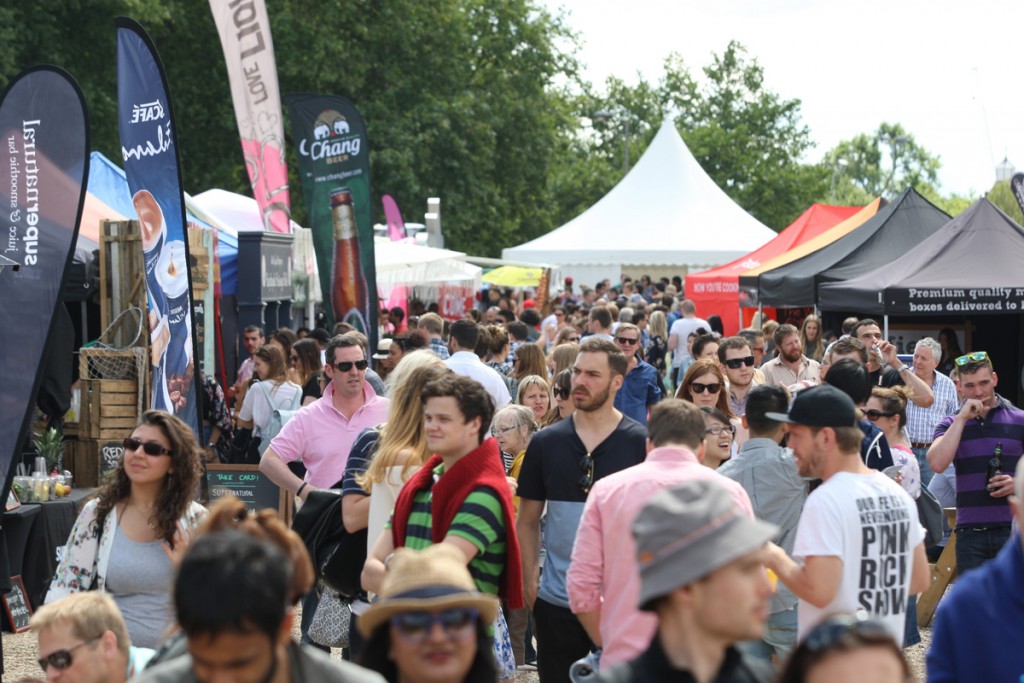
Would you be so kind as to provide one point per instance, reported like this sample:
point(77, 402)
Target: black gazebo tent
point(896, 229)
point(970, 266)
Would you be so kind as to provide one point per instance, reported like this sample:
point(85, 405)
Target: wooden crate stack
point(112, 400)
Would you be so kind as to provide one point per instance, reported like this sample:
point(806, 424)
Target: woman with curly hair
point(128, 539)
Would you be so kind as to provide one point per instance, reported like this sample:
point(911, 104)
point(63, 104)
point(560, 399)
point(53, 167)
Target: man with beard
point(859, 543)
point(791, 368)
point(561, 465)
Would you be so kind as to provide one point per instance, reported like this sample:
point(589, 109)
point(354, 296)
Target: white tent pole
point(885, 326)
point(760, 313)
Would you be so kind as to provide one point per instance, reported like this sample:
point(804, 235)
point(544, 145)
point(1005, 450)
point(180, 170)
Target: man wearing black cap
point(702, 572)
point(859, 538)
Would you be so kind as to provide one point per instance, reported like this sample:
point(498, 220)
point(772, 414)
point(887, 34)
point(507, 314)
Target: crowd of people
point(607, 489)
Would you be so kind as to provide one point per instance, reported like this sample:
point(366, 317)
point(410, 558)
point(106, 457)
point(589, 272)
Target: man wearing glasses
point(561, 465)
point(603, 579)
point(970, 439)
point(83, 639)
point(321, 434)
point(738, 363)
point(640, 388)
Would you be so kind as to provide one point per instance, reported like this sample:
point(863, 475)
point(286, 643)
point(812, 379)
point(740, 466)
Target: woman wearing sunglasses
point(431, 624)
point(562, 392)
point(704, 386)
point(126, 540)
point(847, 649)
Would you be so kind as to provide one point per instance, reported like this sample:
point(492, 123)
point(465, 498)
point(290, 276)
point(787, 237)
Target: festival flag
point(150, 152)
point(396, 226)
point(334, 162)
point(244, 30)
point(1017, 185)
point(45, 141)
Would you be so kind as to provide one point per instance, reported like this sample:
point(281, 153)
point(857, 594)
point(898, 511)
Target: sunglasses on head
point(830, 632)
point(416, 626)
point(346, 365)
point(626, 341)
point(972, 358)
point(587, 467)
point(61, 659)
point(148, 447)
point(561, 393)
point(737, 363)
point(875, 414)
point(701, 388)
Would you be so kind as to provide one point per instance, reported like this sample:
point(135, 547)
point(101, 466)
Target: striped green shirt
point(480, 521)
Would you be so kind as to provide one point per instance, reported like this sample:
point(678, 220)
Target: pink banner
point(249, 53)
point(396, 226)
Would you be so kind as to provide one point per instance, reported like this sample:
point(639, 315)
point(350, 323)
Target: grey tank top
point(140, 577)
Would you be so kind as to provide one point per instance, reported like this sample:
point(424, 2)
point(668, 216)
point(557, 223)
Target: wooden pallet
point(109, 408)
point(122, 277)
point(83, 459)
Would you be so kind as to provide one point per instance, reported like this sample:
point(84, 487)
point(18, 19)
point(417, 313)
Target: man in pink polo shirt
point(321, 434)
point(603, 579)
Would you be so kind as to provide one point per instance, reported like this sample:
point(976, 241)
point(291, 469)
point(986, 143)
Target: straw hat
point(432, 579)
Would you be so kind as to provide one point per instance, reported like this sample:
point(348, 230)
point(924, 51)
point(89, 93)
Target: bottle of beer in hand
point(995, 466)
point(348, 289)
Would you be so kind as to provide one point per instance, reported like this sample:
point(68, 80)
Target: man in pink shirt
point(603, 579)
point(321, 434)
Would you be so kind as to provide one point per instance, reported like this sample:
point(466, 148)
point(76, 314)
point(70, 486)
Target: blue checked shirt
point(921, 421)
point(438, 347)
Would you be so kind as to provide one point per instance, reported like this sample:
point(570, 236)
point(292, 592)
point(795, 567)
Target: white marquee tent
point(666, 212)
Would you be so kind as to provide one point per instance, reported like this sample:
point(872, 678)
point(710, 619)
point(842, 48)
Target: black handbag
point(245, 448)
point(338, 556)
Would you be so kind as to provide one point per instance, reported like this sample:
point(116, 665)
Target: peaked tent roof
point(899, 227)
point(970, 265)
point(666, 211)
point(717, 291)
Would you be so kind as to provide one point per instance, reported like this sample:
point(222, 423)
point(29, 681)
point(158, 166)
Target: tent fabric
point(969, 266)
point(665, 211)
point(401, 263)
point(716, 291)
point(899, 227)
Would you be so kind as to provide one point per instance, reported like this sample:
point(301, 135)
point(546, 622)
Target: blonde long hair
point(404, 429)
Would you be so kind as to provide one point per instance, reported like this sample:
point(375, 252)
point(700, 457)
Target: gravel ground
point(20, 657)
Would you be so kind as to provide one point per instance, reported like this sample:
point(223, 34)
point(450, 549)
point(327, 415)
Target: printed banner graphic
point(150, 152)
point(249, 54)
point(45, 152)
point(334, 162)
point(1017, 185)
point(396, 226)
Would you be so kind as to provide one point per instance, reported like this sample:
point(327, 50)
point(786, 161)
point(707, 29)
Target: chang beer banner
point(150, 153)
point(334, 162)
point(44, 138)
point(249, 54)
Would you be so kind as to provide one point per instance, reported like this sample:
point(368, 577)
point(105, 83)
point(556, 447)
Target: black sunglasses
point(701, 388)
point(626, 341)
point(61, 659)
point(587, 467)
point(346, 365)
point(875, 414)
point(148, 447)
point(416, 626)
point(561, 393)
point(830, 632)
point(737, 363)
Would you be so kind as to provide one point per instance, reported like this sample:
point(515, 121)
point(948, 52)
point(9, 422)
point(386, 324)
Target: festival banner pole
point(150, 152)
point(334, 163)
point(44, 133)
point(244, 29)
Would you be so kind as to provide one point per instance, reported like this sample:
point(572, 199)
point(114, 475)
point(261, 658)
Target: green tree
point(1002, 196)
point(883, 163)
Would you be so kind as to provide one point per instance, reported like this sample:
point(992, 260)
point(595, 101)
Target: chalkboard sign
point(247, 483)
point(16, 606)
point(110, 457)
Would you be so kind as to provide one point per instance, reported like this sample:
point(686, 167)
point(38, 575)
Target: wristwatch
point(903, 367)
point(211, 445)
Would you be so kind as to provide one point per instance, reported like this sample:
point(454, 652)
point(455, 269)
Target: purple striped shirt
point(1004, 424)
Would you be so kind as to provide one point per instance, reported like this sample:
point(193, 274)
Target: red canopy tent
point(717, 290)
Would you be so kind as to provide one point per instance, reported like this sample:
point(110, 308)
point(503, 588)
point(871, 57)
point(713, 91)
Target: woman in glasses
point(718, 437)
point(847, 649)
point(308, 365)
point(273, 391)
point(126, 541)
point(534, 392)
point(431, 623)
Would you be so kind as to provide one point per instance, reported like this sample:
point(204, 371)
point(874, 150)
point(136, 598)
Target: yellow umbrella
point(514, 276)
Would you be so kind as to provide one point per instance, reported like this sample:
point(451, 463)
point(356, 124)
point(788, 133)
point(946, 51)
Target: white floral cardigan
point(88, 550)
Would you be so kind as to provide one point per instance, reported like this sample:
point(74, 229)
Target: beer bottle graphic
point(348, 290)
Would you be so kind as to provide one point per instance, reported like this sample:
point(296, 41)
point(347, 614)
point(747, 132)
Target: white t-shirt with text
point(871, 523)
